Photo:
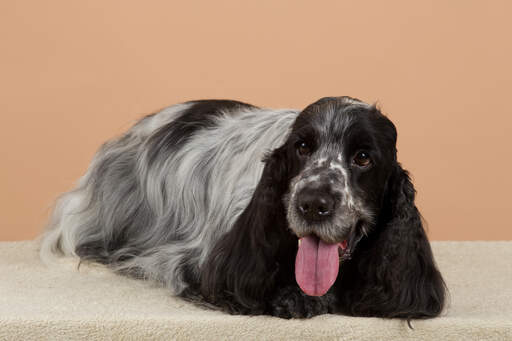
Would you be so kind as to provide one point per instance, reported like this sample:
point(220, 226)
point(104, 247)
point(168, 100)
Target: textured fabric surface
point(58, 302)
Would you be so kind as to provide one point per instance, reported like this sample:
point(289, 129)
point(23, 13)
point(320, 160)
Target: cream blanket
point(58, 302)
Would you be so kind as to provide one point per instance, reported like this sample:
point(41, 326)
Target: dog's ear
point(412, 272)
point(241, 268)
point(398, 274)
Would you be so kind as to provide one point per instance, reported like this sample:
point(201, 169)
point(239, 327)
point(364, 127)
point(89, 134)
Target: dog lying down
point(258, 211)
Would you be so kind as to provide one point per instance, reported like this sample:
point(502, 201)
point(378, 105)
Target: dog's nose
point(315, 205)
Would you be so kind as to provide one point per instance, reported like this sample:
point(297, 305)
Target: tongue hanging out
point(316, 265)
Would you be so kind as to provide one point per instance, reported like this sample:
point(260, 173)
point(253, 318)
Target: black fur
point(199, 116)
point(390, 272)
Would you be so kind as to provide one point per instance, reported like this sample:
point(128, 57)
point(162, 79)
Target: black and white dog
point(258, 211)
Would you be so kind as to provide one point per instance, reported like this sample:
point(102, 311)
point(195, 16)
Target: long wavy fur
point(200, 197)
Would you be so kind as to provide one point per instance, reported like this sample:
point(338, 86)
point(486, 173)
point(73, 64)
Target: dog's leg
point(291, 302)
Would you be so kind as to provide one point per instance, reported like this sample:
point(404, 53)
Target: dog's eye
point(362, 159)
point(303, 148)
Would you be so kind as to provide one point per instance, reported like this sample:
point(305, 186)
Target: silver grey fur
point(191, 197)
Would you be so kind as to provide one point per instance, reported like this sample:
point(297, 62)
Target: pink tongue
point(316, 265)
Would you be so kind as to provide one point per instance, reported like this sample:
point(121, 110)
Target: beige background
point(75, 73)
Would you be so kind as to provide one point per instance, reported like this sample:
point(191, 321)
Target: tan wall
point(74, 73)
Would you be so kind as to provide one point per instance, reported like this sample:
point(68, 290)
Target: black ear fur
point(242, 267)
point(395, 272)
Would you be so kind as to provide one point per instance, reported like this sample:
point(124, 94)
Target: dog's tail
point(68, 216)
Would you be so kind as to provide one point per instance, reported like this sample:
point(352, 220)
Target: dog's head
point(340, 155)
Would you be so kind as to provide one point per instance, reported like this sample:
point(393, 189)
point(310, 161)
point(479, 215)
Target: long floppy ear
point(242, 266)
point(418, 286)
point(400, 275)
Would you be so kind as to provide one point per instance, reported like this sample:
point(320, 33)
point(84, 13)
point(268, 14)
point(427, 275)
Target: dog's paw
point(291, 302)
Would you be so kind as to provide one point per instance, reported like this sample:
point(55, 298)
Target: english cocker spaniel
point(258, 211)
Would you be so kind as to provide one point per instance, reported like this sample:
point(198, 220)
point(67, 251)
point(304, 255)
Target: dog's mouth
point(317, 263)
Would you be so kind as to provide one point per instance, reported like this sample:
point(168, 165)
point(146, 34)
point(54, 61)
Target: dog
point(258, 211)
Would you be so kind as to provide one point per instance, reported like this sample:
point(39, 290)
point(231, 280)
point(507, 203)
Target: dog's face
point(342, 151)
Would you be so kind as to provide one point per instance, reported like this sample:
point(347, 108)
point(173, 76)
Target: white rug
point(61, 303)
